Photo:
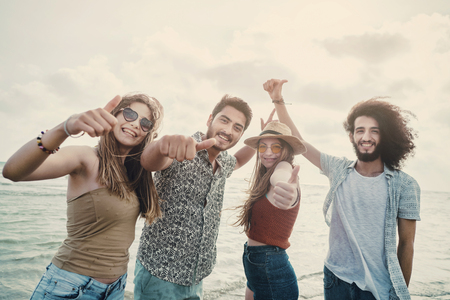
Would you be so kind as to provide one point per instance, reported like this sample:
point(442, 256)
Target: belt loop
point(88, 285)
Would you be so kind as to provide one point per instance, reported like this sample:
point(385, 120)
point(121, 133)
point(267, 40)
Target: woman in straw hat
point(107, 190)
point(269, 214)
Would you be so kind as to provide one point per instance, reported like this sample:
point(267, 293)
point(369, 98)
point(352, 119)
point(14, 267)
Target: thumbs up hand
point(96, 122)
point(284, 180)
point(182, 147)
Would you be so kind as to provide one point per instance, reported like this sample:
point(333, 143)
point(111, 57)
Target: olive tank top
point(100, 229)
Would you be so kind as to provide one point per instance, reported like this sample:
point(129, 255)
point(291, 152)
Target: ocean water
point(33, 218)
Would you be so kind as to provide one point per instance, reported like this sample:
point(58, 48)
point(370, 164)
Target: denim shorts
point(60, 284)
point(269, 273)
point(149, 287)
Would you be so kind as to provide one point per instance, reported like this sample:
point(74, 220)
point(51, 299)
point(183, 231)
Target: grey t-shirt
point(356, 241)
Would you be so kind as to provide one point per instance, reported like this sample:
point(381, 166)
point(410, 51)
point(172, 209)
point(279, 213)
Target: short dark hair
point(397, 138)
point(238, 104)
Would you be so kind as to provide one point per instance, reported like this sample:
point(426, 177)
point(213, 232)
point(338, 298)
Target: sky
point(60, 57)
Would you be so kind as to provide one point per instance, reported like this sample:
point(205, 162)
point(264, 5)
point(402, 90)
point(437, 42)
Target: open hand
point(269, 119)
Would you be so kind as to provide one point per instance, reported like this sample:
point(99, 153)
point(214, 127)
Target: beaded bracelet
point(39, 142)
point(281, 101)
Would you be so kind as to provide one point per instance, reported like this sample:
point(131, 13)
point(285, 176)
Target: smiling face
point(130, 134)
point(227, 128)
point(366, 139)
point(268, 158)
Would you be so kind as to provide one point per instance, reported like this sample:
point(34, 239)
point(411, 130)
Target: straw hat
point(277, 130)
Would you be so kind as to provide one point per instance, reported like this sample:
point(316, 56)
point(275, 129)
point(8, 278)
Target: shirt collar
point(204, 153)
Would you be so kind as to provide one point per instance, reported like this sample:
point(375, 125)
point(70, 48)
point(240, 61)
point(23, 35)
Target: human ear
point(208, 123)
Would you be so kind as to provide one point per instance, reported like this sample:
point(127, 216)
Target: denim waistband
point(262, 249)
point(81, 280)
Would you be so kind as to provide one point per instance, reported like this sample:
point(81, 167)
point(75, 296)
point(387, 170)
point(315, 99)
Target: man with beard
point(179, 249)
point(369, 199)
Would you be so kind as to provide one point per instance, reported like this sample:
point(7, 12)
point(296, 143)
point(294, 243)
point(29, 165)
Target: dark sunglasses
point(130, 115)
point(276, 148)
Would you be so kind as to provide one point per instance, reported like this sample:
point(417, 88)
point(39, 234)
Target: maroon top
point(271, 225)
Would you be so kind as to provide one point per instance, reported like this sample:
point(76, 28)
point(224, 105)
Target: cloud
point(373, 48)
point(83, 84)
point(331, 55)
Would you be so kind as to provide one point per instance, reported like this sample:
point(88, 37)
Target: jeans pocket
point(62, 289)
point(256, 259)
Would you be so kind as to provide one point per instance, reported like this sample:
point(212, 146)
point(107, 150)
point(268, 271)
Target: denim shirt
point(403, 202)
point(180, 247)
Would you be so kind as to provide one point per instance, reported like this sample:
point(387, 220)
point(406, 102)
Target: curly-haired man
point(369, 199)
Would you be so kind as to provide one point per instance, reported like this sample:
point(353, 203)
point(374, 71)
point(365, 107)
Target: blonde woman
point(269, 214)
point(107, 191)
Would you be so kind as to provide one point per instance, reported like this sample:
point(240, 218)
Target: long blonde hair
point(260, 184)
point(130, 179)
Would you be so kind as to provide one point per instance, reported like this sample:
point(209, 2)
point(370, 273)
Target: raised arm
point(274, 88)
point(160, 154)
point(246, 153)
point(31, 162)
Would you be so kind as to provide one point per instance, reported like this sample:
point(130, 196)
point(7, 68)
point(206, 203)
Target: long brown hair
point(260, 184)
point(130, 179)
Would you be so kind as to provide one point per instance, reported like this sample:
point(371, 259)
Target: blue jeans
point(269, 273)
point(336, 289)
point(60, 284)
point(149, 287)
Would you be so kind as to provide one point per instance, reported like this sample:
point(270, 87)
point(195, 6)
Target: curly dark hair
point(396, 137)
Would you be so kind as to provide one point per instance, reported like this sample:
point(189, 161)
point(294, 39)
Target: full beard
point(367, 157)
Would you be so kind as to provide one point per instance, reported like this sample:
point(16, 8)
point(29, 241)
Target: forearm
point(405, 249)
point(405, 253)
point(243, 156)
point(29, 157)
point(312, 154)
point(153, 160)
point(285, 118)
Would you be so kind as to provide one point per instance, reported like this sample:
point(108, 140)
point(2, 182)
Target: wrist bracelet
point(298, 197)
point(67, 132)
point(39, 142)
point(281, 102)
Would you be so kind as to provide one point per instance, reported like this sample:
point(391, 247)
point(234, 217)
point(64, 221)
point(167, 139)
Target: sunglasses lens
point(146, 125)
point(129, 114)
point(275, 149)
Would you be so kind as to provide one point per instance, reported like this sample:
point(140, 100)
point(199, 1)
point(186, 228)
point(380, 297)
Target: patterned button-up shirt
point(403, 202)
point(180, 247)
